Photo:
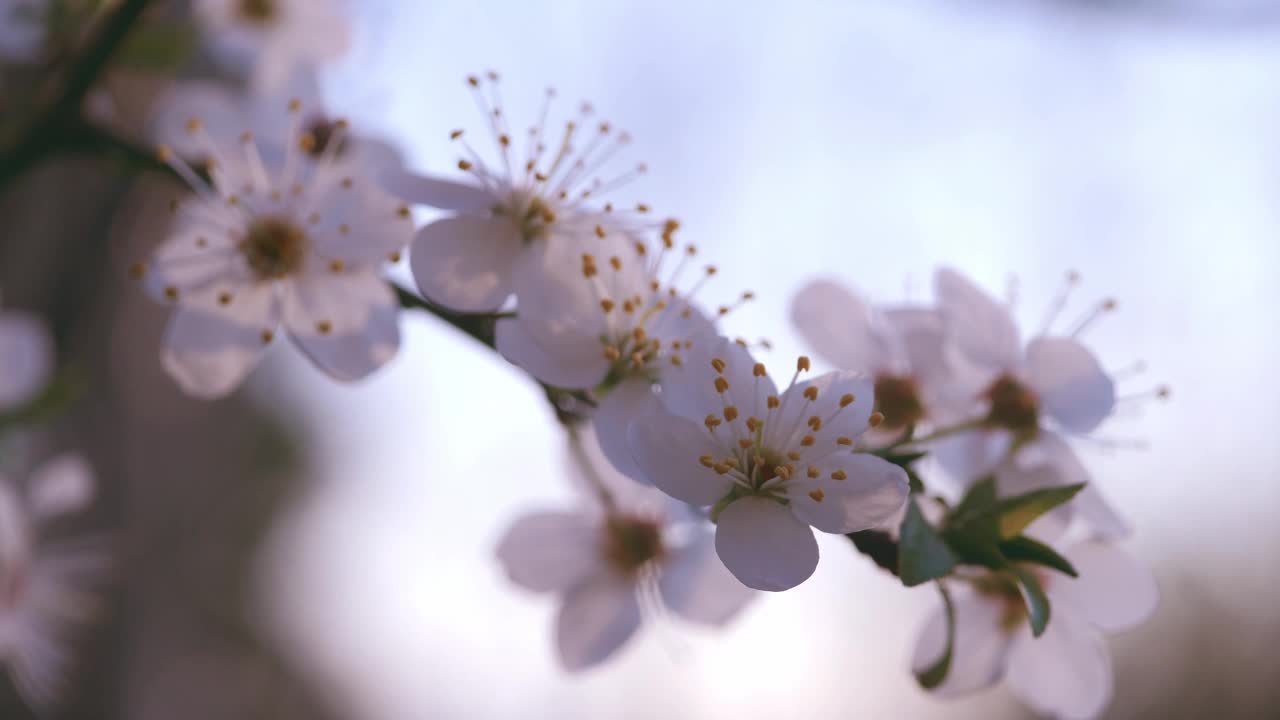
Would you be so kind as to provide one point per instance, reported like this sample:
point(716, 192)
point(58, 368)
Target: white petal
point(1114, 591)
point(1090, 505)
point(1066, 672)
point(970, 455)
point(208, 355)
point(689, 390)
point(347, 324)
point(26, 357)
point(981, 646)
point(612, 419)
point(872, 492)
point(1073, 388)
point(61, 486)
point(550, 551)
point(697, 586)
point(436, 192)
point(571, 366)
point(764, 545)
point(667, 448)
point(465, 263)
point(597, 617)
point(784, 427)
point(838, 326)
point(919, 341)
point(1012, 479)
point(982, 328)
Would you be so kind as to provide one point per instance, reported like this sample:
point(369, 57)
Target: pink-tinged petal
point(208, 355)
point(612, 419)
point(1115, 592)
point(61, 486)
point(697, 586)
point(26, 357)
point(839, 327)
point(667, 451)
point(689, 390)
point(786, 426)
point(628, 496)
point(551, 551)
point(970, 455)
point(1066, 672)
point(597, 618)
point(765, 545)
point(980, 648)
point(1073, 388)
point(348, 324)
point(571, 365)
point(981, 328)
point(872, 491)
point(1090, 505)
point(436, 192)
point(465, 263)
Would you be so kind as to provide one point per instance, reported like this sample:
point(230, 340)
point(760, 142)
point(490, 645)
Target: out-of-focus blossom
point(276, 238)
point(772, 464)
point(1064, 673)
point(26, 357)
point(48, 590)
point(612, 560)
point(272, 38)
point(492, 243)
point(903, 349)
point(22, 29)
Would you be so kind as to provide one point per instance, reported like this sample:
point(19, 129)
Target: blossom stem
point(938, 434)
point(589, 469)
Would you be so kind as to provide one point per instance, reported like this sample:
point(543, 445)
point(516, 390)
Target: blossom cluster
point(943, 432)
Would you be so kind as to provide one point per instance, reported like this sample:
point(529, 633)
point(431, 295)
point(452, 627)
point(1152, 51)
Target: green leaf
point(1026, 550)
point(1033, 595)
point(877, 545)
point(922, 554)
point(977, 503)
point(1017, 512)
point(932, 676)
point(902, 460)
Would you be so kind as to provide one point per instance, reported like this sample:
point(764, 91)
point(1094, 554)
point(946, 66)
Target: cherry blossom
point(624, 552)
point(773, 464)
point(26, 358)
point(276, 238)
point(274, 37)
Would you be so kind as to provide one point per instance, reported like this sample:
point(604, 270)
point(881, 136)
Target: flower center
point(531, 214)
point(274, 248)
point(258, 11)
point(1014, 406)
point(631, 542)
point(898, 399)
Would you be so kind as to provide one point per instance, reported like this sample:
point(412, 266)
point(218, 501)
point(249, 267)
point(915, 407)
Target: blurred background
point(311, 550)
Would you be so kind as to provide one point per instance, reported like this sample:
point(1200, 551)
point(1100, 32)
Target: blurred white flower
point(22, 29)
point(47, 589)
point(772, 464)
point(612, 560)
point(26, 357)
point(903, 349)
point(475, 258)
point(272, 38)
point(277, 237)
point(1064, 673)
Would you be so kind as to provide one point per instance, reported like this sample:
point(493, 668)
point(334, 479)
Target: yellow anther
point(464, 165)
point(813, 472)
point(1109, 304)
point(722, 310)
point(875, 419)
point(1163, 392)
point(811, 393)
point(547, 215)
point(844, 441)
point(753, 424)
point(504, 140)
point(721, 468)
point(137, 270)
point(393, 257)
point(839, 475)
point(336, 266)
point(607, 305)
point(642, 250)
point(731, 413)
point(758, 370)
point(817, 495)
point(628, 306)
point(455, 134)
point(324, 327)
point(814, 423)
point(772, 402)
point(246, 137)
point(846, 400)
point(171, 293)
point(731, 462)
point(612, 354)
point(675, 360)
point(600, 233)
point(194, 125)
point(224, 299)
point(707, 461)
point(711, 421)
point(807, 441)
point(793, 456)
point(748, 295)
point(641, 207)
point(637, 360)
point(615, 262)
point(638, 335)
point(403, 211)
point(307, 142)
point(718, 364)
point(295, 105)
point(347, 183)
point(164, 154)
point(722, 385)
point(746, 443)
point(267, 336)
point(784, 471)
point(473, 81)
point(802, 363)
point(202, 242)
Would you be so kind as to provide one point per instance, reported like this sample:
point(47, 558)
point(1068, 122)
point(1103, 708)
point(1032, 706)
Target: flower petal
point(1066, 672)
point(689, 390)
point(838, 325)
point(764, 545)
point(785, 426)
point(873, 489)
point(26, 357)
point(436, 192)
point(981, 646)
point(667, 449)
point(465, 263)
point(612, 419)
point(1114, 591)
point(550, 551)
point(61, 486)
point(1051, 449)
point(597, 617)
point(1072, 386)
point(208, 355)
point(981, 328)
point(347, 324)
point(565, 368)
point(970, 455)
point(697, 586)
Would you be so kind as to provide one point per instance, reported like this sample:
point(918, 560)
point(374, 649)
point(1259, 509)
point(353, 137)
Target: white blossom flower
point(470, 260)
point(274, 37)
point(47, 589)
point(1064, 673)
point(276, 238)
point(772, 464)
point(26, 358)
point(22, 29)
point(903, 349)
point(611, 561)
